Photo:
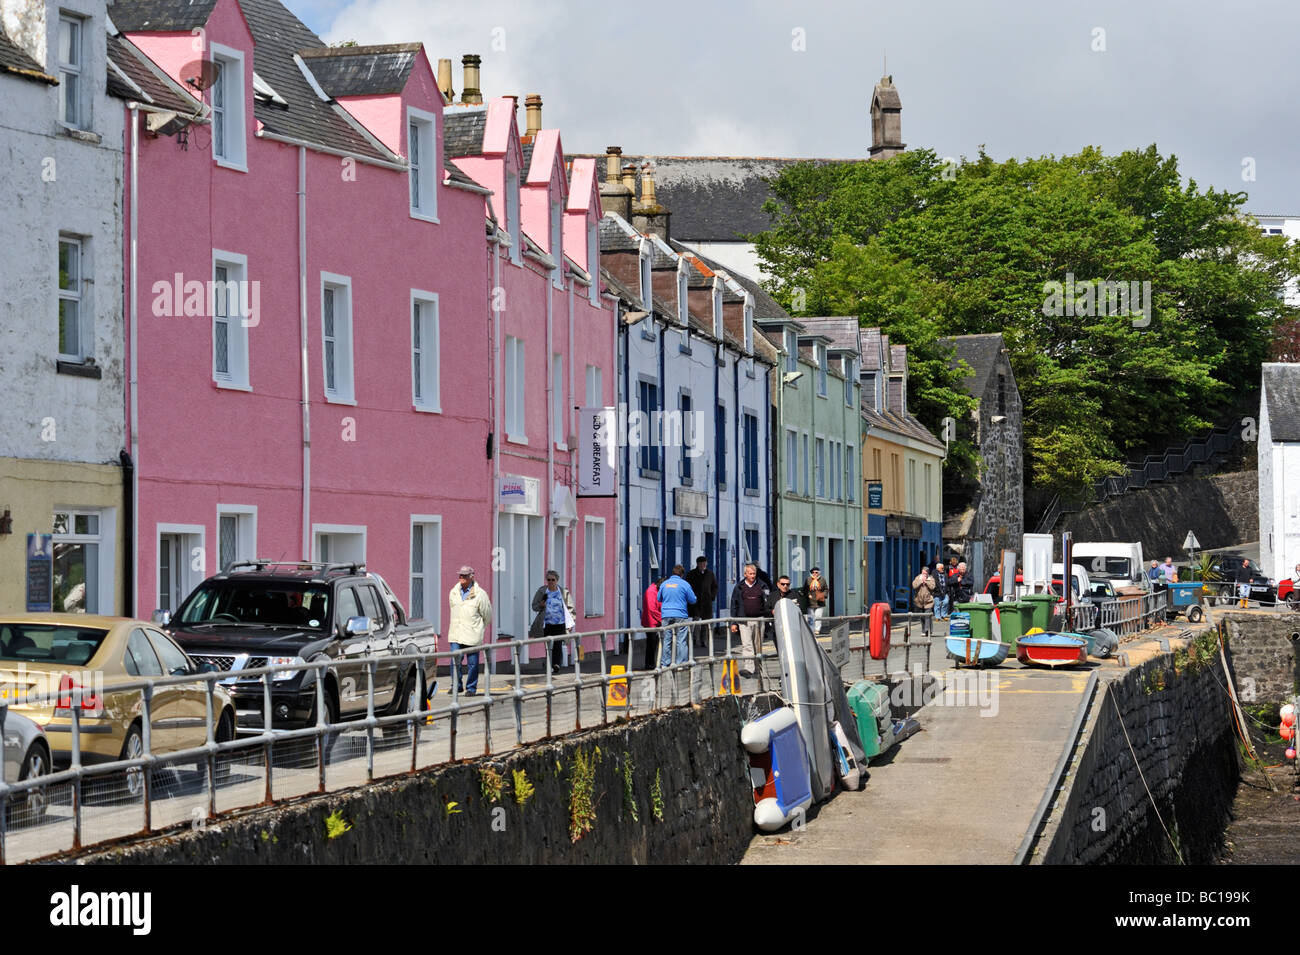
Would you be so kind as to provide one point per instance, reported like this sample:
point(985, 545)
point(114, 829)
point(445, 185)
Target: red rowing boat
point(1051, 650)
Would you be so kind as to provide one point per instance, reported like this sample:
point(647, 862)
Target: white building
point(1279, 470)
point(62, 354)
point(1288, 226)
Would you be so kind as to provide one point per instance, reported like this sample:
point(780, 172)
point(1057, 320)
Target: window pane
point(69, 42)
point(69, 328)
point(86, 524)
point(76, 569)
point(417, 549)
point(227, 540)
point(329, 366)
point(69, 266)
point(221, 346)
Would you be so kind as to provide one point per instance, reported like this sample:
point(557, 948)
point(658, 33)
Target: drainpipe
point(717, 468)
point(572, 545)
point(739, 482)
point(771, 466)
point(547, 556)
point(128, 521)
point(129, 604)
point(302, 344)
point(621, 330)
point(660, 335)
point(494, 399)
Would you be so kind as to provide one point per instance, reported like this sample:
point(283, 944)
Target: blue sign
point(875, 494)
point(40, 573)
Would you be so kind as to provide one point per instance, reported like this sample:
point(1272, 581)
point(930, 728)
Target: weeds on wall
point(582, 797)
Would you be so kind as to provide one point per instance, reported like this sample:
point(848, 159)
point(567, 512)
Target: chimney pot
point(533, 107)
point(613, 161)
point(471, 94)
point(647, 184)
point(629, 178)
point(444, 80)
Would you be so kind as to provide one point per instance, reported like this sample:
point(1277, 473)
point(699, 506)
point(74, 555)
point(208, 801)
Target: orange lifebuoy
point(880, 622)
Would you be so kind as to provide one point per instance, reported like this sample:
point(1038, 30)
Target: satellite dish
point(200, 74)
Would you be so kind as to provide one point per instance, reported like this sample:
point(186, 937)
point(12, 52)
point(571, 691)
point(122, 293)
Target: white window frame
point(819, 467)
point(647, 288)
point(515, 380)
point(245, 531)
point(749, 329)
point(849, 482)
point(238, 373)
point(557, 402)
point(343, 392)
point(595, 387)
point(512, 214)
point(683, 294)
point(231, 113)
point(422, 164)
point(719, 324)
point(593, 261)
point(850, 372)
point(317, 530)
point(820, 353)
point(71, 73)
point(431, 575)
point(791, 350)
point(192, 578)
point(851, 567)
point(76, 296)
point(427, 355)
point(557, 238)
point(791, 461)
point(105, 540)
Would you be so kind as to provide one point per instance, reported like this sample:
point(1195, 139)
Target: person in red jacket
point(650, 619)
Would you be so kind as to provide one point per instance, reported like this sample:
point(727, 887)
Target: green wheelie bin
point(1015, 617)
point(1043, 605)
point(981, 619)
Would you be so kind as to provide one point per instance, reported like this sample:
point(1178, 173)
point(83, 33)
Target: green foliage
point(582, 796)
point(451, 808)
point(336, 825)
point(1203, 568)
point(523, 788)
point(490, 783)
point(923, 256)
point(657, 798)
point(629, 797)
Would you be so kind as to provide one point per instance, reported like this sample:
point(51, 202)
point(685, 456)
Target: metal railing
point(1125, 616)
point(162, 788)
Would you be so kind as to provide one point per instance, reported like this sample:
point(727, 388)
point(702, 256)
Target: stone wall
point(1178, 726)
point(1222, 509)
point(1000, 522)
point(1262, 654)
point(699, 810)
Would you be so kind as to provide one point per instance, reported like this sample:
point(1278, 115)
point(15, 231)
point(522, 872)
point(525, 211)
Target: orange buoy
point(879, 629)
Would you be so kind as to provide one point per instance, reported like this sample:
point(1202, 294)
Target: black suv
point(265, 613)
point(1231, 572)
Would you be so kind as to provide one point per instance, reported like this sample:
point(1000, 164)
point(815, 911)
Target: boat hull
point(1052, 650)
point(971, 651)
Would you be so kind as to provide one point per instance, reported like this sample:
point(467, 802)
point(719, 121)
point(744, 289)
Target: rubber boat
point(778, 768)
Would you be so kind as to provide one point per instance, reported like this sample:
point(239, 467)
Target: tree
point(1133, 305)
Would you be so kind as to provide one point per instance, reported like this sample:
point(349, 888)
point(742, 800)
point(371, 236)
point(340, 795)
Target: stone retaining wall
point(670, 787)
point(1262, 653)
point(1180, 731)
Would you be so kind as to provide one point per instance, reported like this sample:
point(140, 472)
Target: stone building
point(994, 520)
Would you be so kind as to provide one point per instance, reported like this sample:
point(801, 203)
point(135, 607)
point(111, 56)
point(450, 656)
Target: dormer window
point(557, 242)
point(791, 350)
point(820, 352)
point(646, 289)
point(718, 326)
point(72, 110)
point(512, 212)
point(226, 96)
point(421, 154)
point(749, 324)
point(593, 262)
point(683, 292)
point(850, 372)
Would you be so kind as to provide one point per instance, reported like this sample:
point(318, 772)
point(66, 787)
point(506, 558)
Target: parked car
point(1230, 572)
point(1286, 590)
point(26, 756)
point(1119, 562)
point(266, 613)
point(54, 654)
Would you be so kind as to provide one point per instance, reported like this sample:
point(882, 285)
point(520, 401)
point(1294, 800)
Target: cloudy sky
point(1215, 84)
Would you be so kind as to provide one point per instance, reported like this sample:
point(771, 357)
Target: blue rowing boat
point(973, 652)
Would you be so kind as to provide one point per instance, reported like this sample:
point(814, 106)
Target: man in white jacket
point(471, 614)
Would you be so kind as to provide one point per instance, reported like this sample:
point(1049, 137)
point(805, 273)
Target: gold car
point(57, 652)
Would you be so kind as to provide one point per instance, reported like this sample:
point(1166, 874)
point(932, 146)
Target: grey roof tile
point(158, 90)
point(362, 70)
point(1282, 386)
point(765, 306)
point(14, 59)
point(842, 330)
point(981, 353)
point(462, 130)
point(160, 16)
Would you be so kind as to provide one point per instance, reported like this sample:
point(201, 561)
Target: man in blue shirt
point(675, 596)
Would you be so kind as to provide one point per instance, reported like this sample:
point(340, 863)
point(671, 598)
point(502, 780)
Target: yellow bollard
point(617, 688)
point(730, 679)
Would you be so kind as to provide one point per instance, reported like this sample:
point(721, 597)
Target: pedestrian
point(942, 602)
point(1153, 574)
point(1243, 582)
point(815, 597)
point(952, 566)
point(675, 598)
point(960, 587)
point(1167, 570)
point(554, 607)
point(651, 620)
point(749, 600)
point(923, 587)
point(471, 615)
point(705, 585)
point(782, 592)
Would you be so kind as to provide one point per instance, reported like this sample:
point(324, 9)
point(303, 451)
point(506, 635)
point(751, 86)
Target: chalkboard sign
point(40, 572)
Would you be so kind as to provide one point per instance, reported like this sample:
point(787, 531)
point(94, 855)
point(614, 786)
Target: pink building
point(554, 334)
point(311, 340)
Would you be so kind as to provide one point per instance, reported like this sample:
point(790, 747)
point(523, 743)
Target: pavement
point(962, 791)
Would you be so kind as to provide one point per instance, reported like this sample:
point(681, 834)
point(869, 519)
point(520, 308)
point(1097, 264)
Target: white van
point(1119, 562)
point(1082, 584)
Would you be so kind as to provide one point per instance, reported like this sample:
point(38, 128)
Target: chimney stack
point(444, 81)
point(614, 196)
point(533, 108)
point(471, 94)
point(647, 215)
point(629, 179)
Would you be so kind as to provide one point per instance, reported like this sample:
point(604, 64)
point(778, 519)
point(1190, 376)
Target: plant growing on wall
point(629, 797)
point(582, 797)
point(490, 783)
point(523, 788)
point(657, 798)
point(336, 825)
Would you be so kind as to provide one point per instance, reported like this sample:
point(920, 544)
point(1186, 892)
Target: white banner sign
point(597, 470)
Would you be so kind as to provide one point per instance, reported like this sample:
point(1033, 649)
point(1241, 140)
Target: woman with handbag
point(923, 587)
point(554, 607)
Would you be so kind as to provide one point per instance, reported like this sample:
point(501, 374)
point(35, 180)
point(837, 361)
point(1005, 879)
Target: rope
point(1143, 777)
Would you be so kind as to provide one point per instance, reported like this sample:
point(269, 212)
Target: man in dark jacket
point(749, 599)
point(960, 586)
point(705, 585)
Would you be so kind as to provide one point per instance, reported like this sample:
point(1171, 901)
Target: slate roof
point(152, 87)
point(161, 16)
point(278, 35)
point(714, 198)
point(462, 130)
point(1282, 386)
point(527, 150)
point(842, 330)
point(981, 353)
point(765, 306)
point(362, 70)
point(614, 238)
point(14, 59)
point(871, 349)
point(455, 174)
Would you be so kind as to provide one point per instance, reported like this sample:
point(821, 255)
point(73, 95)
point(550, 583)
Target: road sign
point(1191, 543)
point(840, 653)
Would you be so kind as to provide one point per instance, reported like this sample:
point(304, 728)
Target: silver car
point(26, 756)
